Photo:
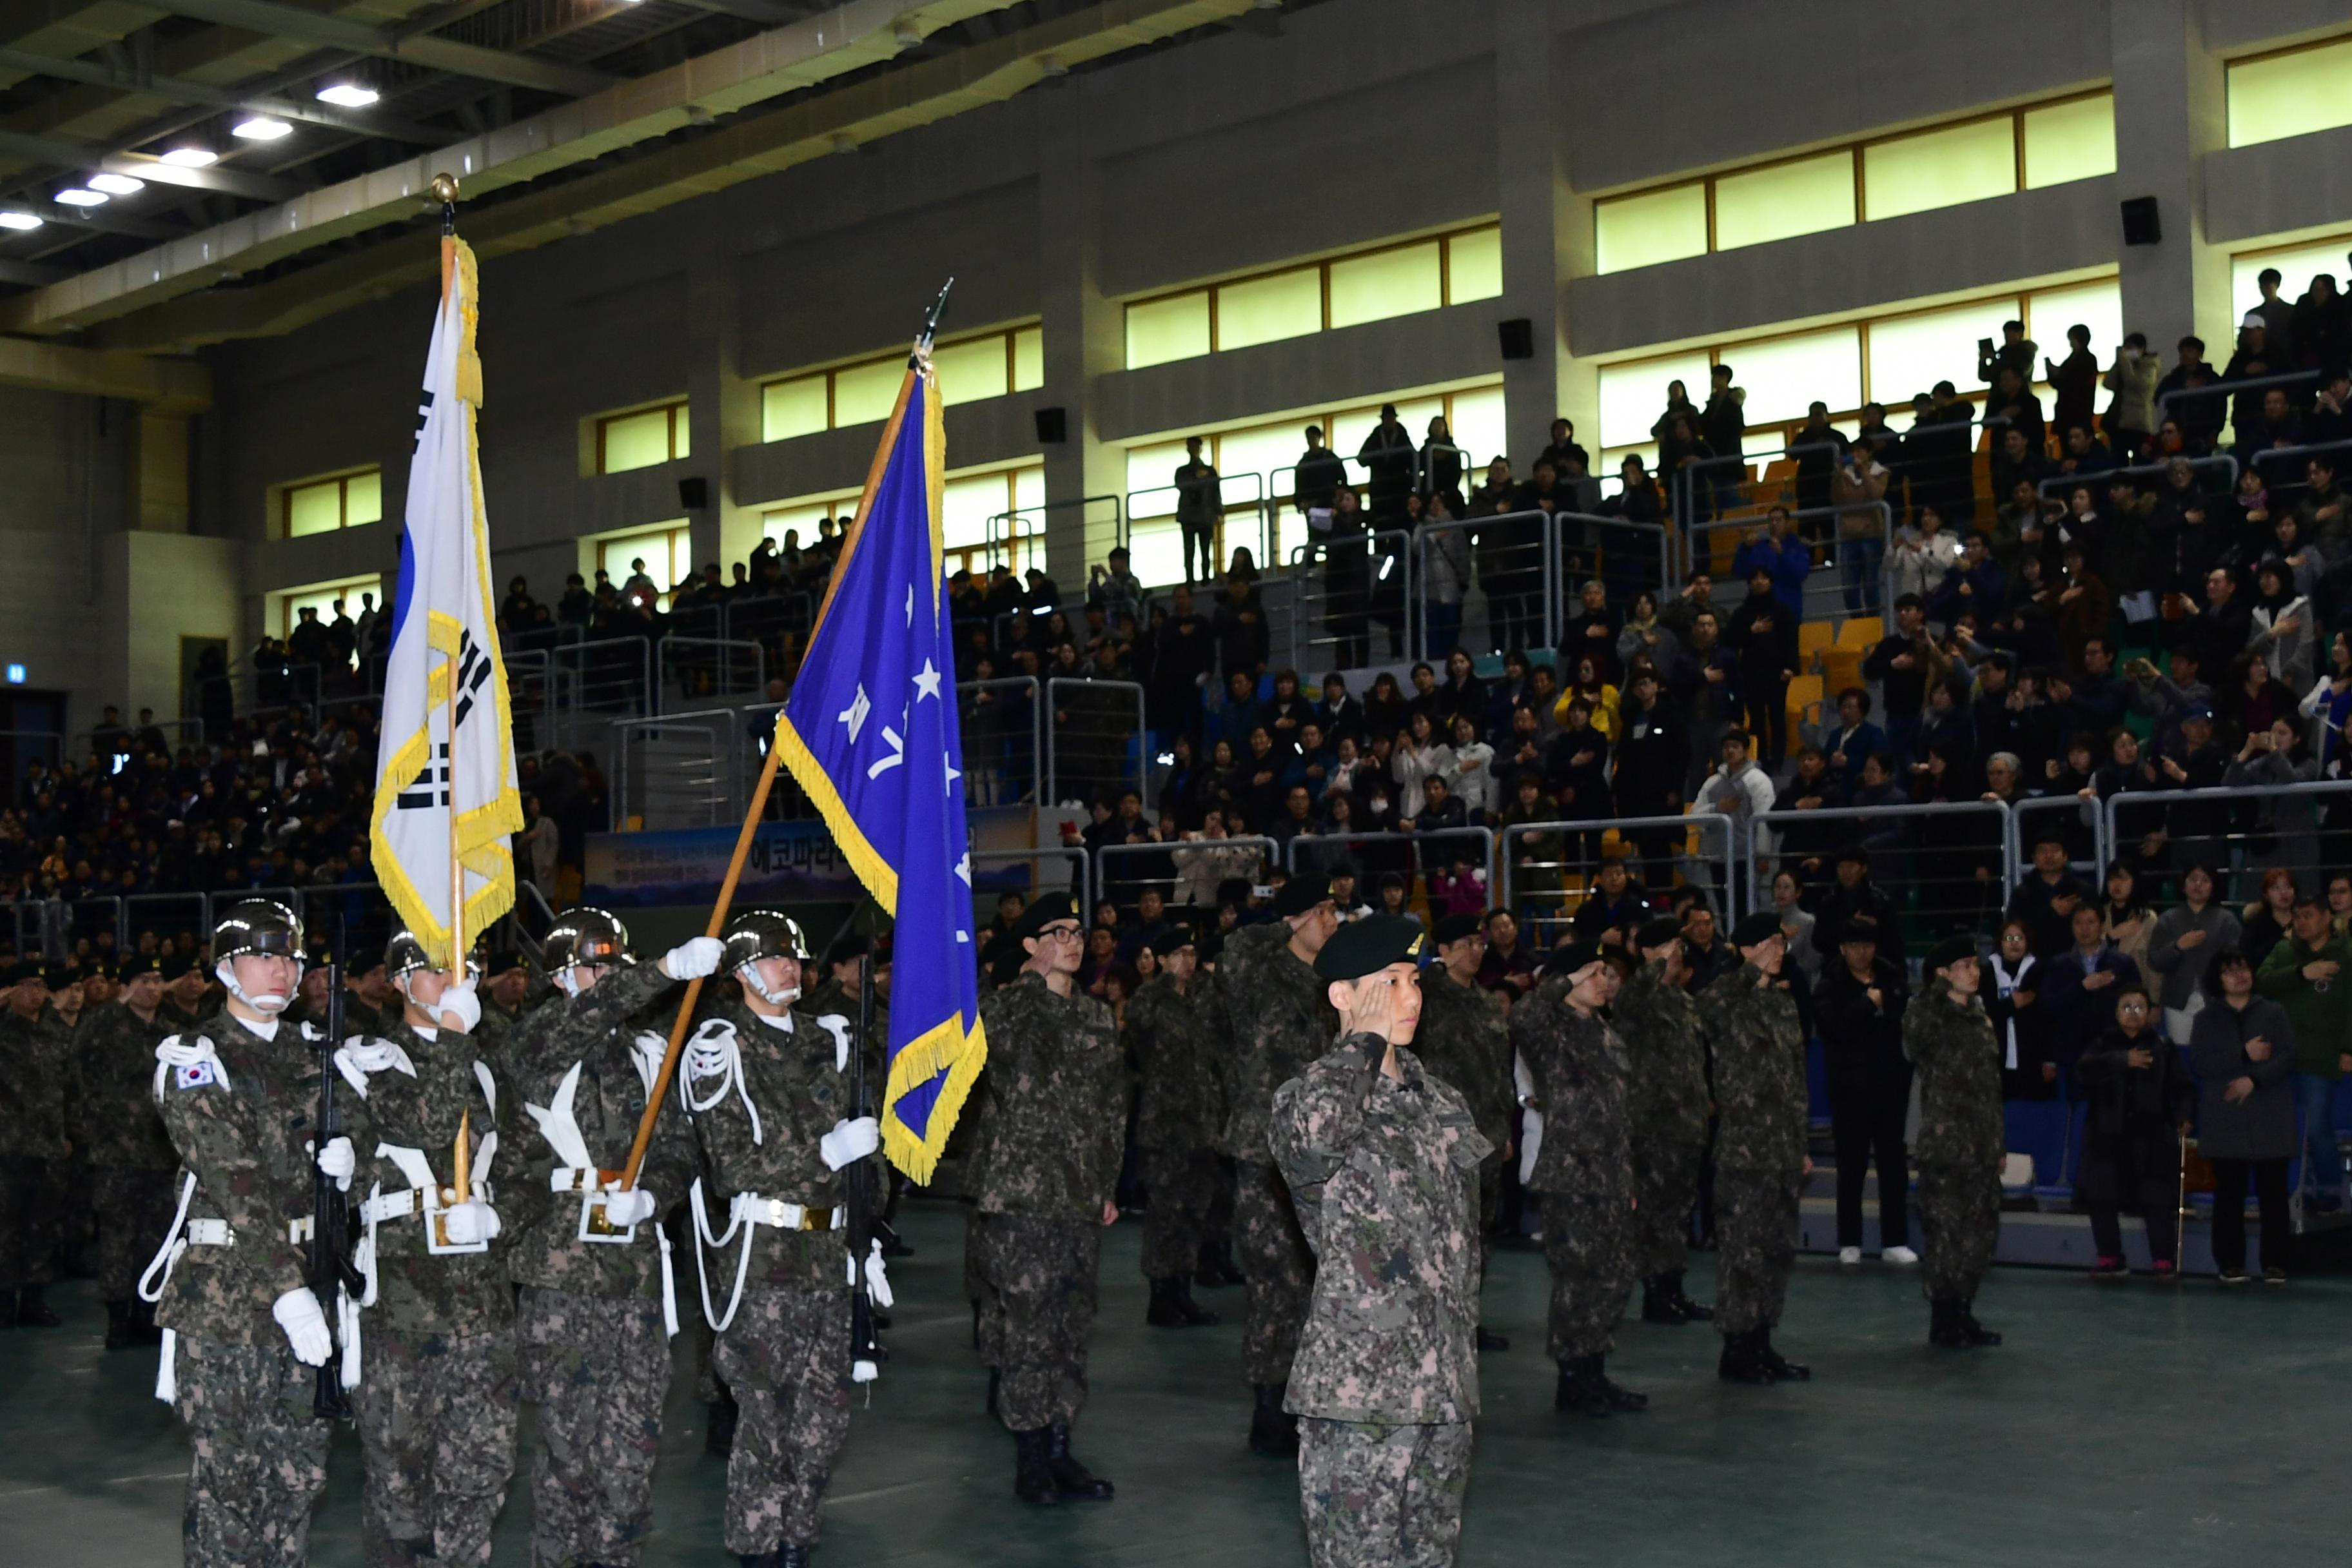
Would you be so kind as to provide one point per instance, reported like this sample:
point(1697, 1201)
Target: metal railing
point(1544, 870)
point(2288, 816)
point(609, 677)
point(1193, 869)
point(2083, 821)
point(2097, 481)
point(1931, 865)
point(1153, 530)
point(678, 770)
point(1375, 854)
point(1094, 736)
point(1506, 596)
point(1844, 580)
point(699, 669)
point(769, 616)
point(1341, 587)
point(1683, 483)
point(2305, 452)
point(1000, 723)
point(1028, 872)
point(2222, 387)
point(165, 914)
point(1016, 538)
point(1629, 557)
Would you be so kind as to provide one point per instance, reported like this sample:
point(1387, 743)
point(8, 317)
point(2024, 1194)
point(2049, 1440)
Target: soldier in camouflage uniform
point(1962, 1137)
point(1659, 1023)
point(1749, 1017)
point(187, 999)
point(132, 1159)
point(1381, 1161)
point(594, 1313)
point(770, 1093)
point(506, 988)
point(1278, 1020)
point(35, 1072)
point(1172, 1037)
point(1045, 1152)
point(239, 1095)
point(1464, 1040)
point(1583, 1174)
point(437, 1407)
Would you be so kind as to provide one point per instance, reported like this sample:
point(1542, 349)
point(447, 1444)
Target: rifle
point(330, 1271)
point(863, 1344)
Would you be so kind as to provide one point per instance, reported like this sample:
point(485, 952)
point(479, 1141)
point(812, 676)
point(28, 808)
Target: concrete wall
point(64, 467)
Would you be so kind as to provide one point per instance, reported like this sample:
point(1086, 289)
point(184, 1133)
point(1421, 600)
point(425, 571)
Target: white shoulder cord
point(716, 1052)
point(735, 1221)
point(171, 1054)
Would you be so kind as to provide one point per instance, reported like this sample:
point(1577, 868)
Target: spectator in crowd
point(2132, 379)
point(2021, 1021)
point(2074, 380)
point(2081, 986)
point(2185, 939)
point(2141, 1099)
point(1859, 489)
point(2243, 1049)
point(2305, 975)
point(1763, 628)
point(1200, 506)
point(1858, 1007)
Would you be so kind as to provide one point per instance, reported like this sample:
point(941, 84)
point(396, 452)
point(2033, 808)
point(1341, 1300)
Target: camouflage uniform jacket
point(788, 1078)
point(1278, 1019)
point(1579, 1070)
point(1465, 1038)
point(1759, 1072)
point(1053, 1104)
point(1384, 1175)
point(416, 1109)
point(244, 1125)
point(595, 1036)
point(115, 1121)
point(1960, 1120)
point(35, 1069)
point(832, 999)
point(1174, 1038)
point(1660, 1028)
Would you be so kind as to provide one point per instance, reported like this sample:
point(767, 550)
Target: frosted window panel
point(790, 408)
point(2296, 270)
point(1262, 449)
point(968, 504)
point(1803, 197)
point(1612, 459)
point(613, 556)
point(1386, 283)
point(1657, 225)
point(314, 509)
point(681, 433)
point(801, 520)
point(970, 371)
point(863, 394)
point(1028, 359)
point(363, 500)
point(1474, 267)
point(1029, 489)
point(1151, 475)
point(1910, 354)
point(1161, 330)
point(2070, 142)
point(1783, 374)
point(1762, 446)
point(2289, 94)
point(1479, 430)
point(636, 441)
point(322, 599)
point(1155, 549)
point(1267, 310)
point(1939, 168)
point(1634, 395)
point(2098, 306)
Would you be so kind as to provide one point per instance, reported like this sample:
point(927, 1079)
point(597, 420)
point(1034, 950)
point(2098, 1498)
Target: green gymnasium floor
point(2119, 1425)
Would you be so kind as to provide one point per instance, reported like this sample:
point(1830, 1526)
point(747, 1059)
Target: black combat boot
point(995, 1382)
point(1196, 1316)
point(1581, 1387)
point(1163, 1312)
point(1944, 1324)
point(32, 1311)
point(1071, 1478)
point(760, 1559)
point(1273, 1430)
point(121, 1332)
point(1491, 1341)
point(1622, 1399)
point(1216, 1267)
point(1033, 1475)
point(1658, 1304)
point(1684, 1304)
point(718, 1438)
point(1971, 1332)
point(143, 1321)
point(794, 1556)
point(1782, 1369)
point(1741, 1362)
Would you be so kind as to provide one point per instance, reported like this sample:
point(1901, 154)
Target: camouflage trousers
point(33, 1205)
point(987, 1311)
point(1665, 1181)
point(135, 1210)
point(436, 1420)
point(1381, 1496)
point(597, 1368)
point(1181, 1186)
point(1755, 1243)
point(1041, 1274)
point(258, 1459)
point(785, 1357)
point(1959, 1219)
point(1278, 1270)
point(1589, 1242)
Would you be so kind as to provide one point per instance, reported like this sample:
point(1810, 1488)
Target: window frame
point(2229, 68)
point(286, 602)
point(343, 483)
point(676, 410)
point(1011, 333)
point(970, 557)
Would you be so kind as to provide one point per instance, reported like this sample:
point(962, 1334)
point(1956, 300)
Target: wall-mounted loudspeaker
point(1518, 338)
point(2140, 226)
point(1052, 425)
point(694, 493)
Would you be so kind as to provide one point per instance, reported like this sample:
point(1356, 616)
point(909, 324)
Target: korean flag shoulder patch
point(195, 1075)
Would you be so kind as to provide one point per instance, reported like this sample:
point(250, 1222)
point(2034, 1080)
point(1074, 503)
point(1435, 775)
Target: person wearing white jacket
point(1472, 775)
point(1739, 791)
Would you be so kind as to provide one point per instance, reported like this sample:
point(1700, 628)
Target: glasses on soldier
point(2131, 1006)
point(1069, 932)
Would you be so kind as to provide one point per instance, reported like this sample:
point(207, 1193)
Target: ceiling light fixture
point(348, 95)
point(191, 157)
point(79, 197)
point(117, 184)
point(262, 127)
point(19, 221)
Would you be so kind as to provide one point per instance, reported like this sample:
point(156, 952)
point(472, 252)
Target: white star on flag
point(926, 681)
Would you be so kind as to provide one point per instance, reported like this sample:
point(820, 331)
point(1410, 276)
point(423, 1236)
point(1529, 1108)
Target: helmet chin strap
point(750, 975)
point(568, 977)
point(269, 1003)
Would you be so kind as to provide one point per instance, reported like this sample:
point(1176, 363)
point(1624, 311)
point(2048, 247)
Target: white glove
point(469, 1223)
point(626, 1207)
point(693, 960)
point(877, 1278)
point(462, 1001)
point(338, 1160)
point(298, 1314)
point(850, 1142)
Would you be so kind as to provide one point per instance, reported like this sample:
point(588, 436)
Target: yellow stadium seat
point(1864, 632)
point(1804, 698)
point(1841, 667)
point(1812, 638)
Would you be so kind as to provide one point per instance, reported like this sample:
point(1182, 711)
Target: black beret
point(1051, 909)
point(1860, 928)
point(1301, 894)
point(1370, 945)
point(1003, 958)
point(1658, 932)
point(1453, 928)
point(59, 975)
point(499, 963)
point(1951, 951)
point(1754, 931)
point(1170, 941)
point(1571, 956)
point(171, 965)
point(137, 964)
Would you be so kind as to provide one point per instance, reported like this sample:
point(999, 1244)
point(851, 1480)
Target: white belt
point(782, 1216)
point(216, 1232)
point(574, 1179)
point(405, 1201)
